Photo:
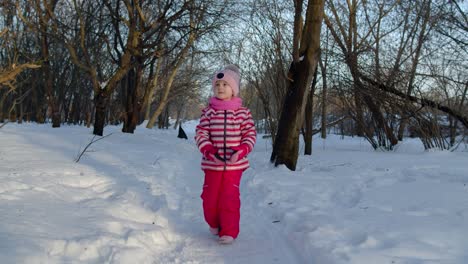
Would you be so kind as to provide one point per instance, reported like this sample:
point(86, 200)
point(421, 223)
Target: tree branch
point(422, 101)
point(89, 144)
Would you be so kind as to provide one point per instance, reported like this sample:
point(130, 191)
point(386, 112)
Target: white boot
point(226, 240)
point(214, 231)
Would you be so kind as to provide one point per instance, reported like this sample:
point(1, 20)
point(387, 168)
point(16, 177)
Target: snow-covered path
point(135, 199)
point(132, 199)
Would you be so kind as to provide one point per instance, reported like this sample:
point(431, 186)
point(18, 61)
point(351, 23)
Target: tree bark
point(45, 16)
point(309, 118)
point(132, 107)
point(76, 106)
point(20, 113)
point(2, 99)
point(323, 69)
point(286, 147)
point(101, 103)
point(37, 103)
point(49, 83)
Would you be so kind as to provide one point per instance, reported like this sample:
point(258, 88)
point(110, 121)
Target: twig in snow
point(156, 160)
point(89, 144)
point(339, 165)
point(4, 124)
point(458, 144)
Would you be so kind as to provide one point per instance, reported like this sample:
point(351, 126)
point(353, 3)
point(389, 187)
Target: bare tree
point(424, 14)
point(180, 59)
point(8, 73)
point(268, 44)
point(308, 128)
point(306, 44)
point(134, 35)
point(204, 19)
point(13, 64)
point(352, 45)
point(323, 68)
point(396, 68)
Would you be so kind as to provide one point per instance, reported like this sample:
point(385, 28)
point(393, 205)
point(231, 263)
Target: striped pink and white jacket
point(225, 129)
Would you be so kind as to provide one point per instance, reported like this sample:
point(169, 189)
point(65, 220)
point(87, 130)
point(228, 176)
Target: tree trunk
point(89, 119)
point(49, 83)
point(74, 114)
point(20, 112)
point(163, 119)
point(380, 125)
point(324, 98)
point(453, 130)
point(36, 106)
point(160, 121)
point(2, 99)
point(12, 112)
point(150, 89)
point(309, 118)
point(101, 95)
point(127, 85)
point(180, 110)
point(286, 147)
point(360, 128)
point(308, 127)
point(4, 111)
point(421, 38)
point(67, 106)
point(164, 100)
point(101, 102)
point(132, 106)
point(166, 119)
point(380, 122)
point(56, 120)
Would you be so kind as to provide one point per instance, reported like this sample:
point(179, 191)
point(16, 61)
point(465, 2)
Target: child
point(225, 135)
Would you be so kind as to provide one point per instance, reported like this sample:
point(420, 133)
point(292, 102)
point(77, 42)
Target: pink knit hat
point(229, 74)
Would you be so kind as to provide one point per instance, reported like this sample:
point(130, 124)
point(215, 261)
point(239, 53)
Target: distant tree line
point(106, 62)
point(381, 70)
point(385, 70)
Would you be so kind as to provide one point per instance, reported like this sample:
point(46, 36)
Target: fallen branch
point(89, 144)
point(4, 124)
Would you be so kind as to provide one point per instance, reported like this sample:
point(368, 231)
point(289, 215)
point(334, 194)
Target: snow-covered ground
point(135, 199)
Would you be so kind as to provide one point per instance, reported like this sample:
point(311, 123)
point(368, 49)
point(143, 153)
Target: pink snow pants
point(221, 201)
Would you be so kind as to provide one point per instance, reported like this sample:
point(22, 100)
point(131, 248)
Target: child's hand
point(213, 157)
point(209, 150)
point(241, 152)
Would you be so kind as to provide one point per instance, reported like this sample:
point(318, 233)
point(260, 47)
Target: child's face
point(223, 90)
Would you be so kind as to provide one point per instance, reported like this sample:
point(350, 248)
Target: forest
point(234, 131)
point(381, 70)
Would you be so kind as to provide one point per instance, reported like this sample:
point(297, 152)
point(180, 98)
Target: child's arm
point(202, 135)
point(248, 138)
point(248, 132)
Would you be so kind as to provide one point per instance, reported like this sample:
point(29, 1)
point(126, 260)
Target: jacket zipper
point(225, 128)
